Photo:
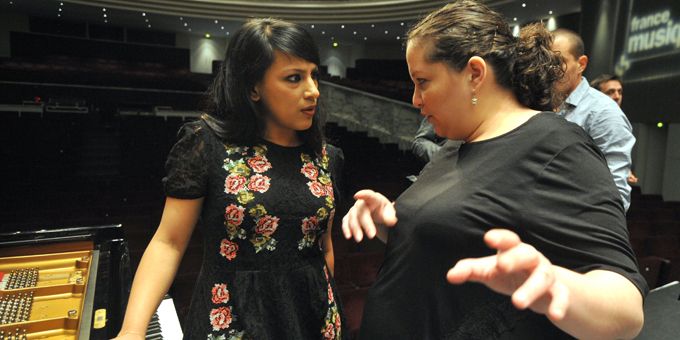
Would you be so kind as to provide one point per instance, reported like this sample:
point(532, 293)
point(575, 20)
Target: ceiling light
point(514, 19)
point(335, 44)
point(323, 32)
point(217, 21)
point(398, 38)
point(401, 23)
point(60, 4)
point(227, 32)
point(207, 35)
point(103, 9)
point(372, 25)
point(143, 14)
point(387, 32)
point(59, 15)
point(146, 20)
point(355, 32)
point(106, 21)
point(60, 10)
point(186, 24)
point(342, 26)
point(312, 26)
point(181, 18)
point(189, 29)
point(222, 27)
point(365, 38)
point(104, 15)
point(550, 12)
point(524, 4)
point(149, 26)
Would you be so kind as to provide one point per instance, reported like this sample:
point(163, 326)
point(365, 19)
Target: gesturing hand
point(518, 270)
point(370, 208)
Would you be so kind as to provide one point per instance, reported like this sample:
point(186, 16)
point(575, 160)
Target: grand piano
point(70, 283)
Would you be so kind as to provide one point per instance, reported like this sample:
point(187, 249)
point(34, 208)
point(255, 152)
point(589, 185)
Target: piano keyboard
point(165, 323)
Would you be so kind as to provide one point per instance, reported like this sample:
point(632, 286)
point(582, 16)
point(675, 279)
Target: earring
point(474, 100)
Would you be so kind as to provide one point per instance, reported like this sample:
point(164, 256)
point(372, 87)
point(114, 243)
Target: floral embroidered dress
point(265, 210)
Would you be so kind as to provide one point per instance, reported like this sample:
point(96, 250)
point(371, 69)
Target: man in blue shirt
point(612, 86)
point(596, 113)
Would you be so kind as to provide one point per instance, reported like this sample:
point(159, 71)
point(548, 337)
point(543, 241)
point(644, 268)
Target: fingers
point(369, 209)
point(350, 223)
point(476, 270)
point(536, 286)
point(358, 221)
point(501, 239)
point(389, 214)
point(522, 257)
point(557, 309)
point(382, 209)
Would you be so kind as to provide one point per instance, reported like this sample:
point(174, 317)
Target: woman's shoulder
point(552, 128)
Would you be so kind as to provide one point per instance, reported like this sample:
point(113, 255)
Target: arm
point(424, 143)
point(159, 264)
point(327, 244)
point(569, 299)
point(577, 266)
point(613, 134)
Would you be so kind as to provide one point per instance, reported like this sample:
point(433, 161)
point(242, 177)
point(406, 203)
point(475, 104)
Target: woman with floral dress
point(257, 177)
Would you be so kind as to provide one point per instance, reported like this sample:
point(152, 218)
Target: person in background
point(612, 86)
point(525, 210)
point(597, 114)
point(426, 143)
point(257, 176)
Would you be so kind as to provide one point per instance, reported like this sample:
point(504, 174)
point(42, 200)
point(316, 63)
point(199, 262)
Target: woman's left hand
point(518, 270)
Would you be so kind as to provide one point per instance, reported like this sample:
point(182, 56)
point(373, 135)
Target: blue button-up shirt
point(608, 126)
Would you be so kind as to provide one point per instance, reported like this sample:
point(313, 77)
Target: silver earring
point(474, 100)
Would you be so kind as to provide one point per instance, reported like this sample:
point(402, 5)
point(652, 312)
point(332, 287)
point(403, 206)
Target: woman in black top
point(257, 175)
point(526, 184)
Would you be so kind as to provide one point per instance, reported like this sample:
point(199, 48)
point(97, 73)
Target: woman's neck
point(283, 137)
point(499, 115)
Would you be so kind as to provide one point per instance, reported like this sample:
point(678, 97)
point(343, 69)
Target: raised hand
point(518, 270)
point(370, 211)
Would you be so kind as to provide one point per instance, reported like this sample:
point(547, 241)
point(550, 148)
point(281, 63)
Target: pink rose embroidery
point(220, 293)
point(329, 332)
point(234, 214)
point(220, 318)
point(317, 188)
point(310, 171)
point(259, 183)
point(259, 164)
point(228, 249)
point(310, 224)
point(234, 183)
point(266, 225)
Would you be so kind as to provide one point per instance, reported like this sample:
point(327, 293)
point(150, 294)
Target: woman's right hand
point(369, 210)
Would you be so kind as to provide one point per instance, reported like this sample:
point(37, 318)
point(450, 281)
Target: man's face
point(613, 89)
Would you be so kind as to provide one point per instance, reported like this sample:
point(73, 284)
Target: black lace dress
point(265, 209)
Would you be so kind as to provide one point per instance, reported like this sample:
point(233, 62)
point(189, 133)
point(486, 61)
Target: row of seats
point(98, 72)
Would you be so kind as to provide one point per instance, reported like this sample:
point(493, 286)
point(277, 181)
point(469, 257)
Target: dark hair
point(467, 28)
point(603, 78)
point(230, 112)
point(577, 47)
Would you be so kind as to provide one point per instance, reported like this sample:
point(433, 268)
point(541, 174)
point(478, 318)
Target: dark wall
point(621, 40)
point(31, 45)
